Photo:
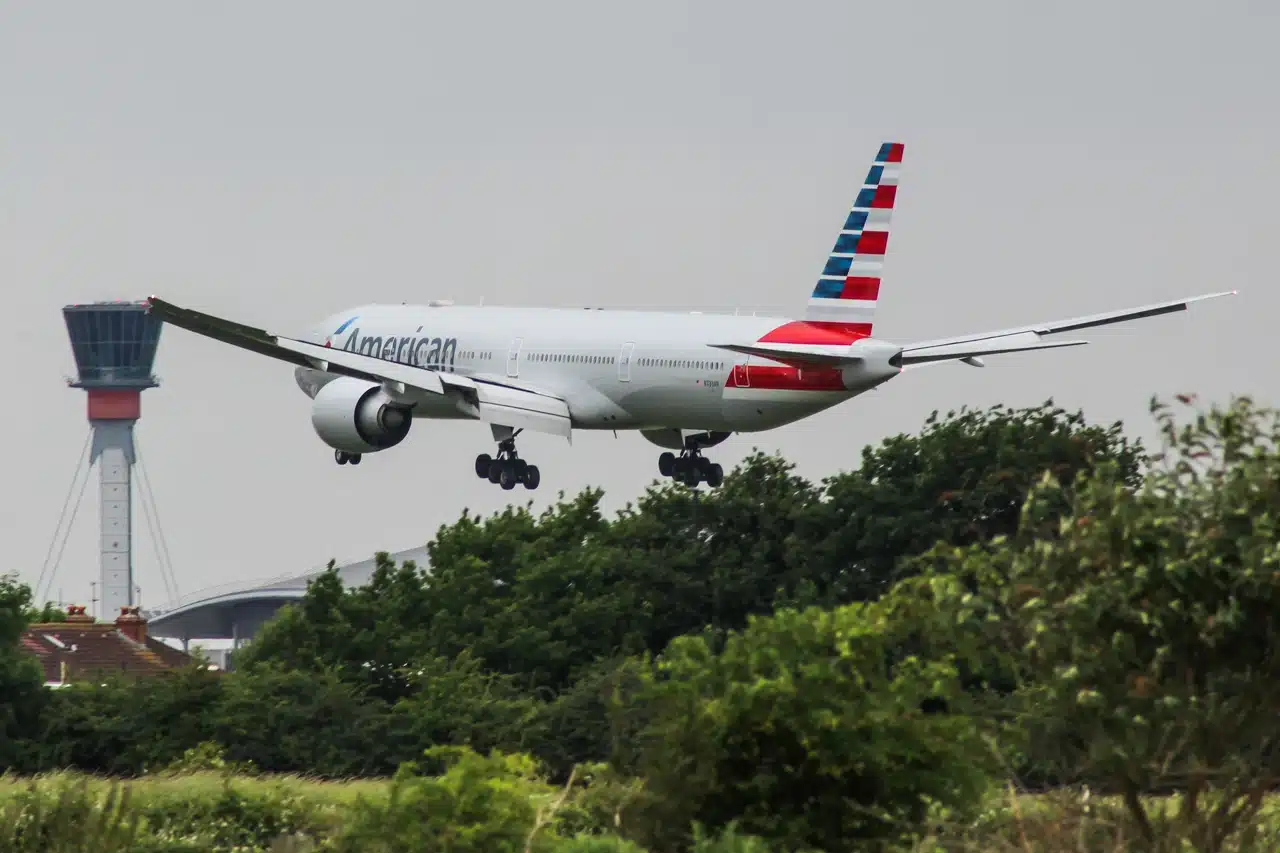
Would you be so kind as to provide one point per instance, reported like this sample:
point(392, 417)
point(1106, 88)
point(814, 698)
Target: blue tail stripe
point(837, 266)
point(846, 244)
point(856, 222)
point(866, 195)
point(873, 177)
point(828, 289)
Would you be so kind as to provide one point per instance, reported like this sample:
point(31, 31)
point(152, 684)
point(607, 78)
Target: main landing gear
point(507, 468)
point(691, 467)
point(344, 458)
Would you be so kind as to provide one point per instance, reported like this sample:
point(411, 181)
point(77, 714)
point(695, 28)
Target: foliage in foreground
point(1118, 630)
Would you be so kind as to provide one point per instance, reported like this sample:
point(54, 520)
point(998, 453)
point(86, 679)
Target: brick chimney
point(75, 613)
point(131, 624)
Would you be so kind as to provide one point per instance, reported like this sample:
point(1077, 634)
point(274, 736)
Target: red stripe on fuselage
point(772, 377)
point(817, 332)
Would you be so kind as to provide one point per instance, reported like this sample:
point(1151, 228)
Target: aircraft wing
point(1030, 337)
point(486, 400)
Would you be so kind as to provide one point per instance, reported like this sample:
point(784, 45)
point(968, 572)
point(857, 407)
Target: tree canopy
point(820, 664)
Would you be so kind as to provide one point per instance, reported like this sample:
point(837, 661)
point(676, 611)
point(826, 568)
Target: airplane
point(685, 381)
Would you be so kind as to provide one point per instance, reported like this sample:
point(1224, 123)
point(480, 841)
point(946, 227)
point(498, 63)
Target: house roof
point(88, 648)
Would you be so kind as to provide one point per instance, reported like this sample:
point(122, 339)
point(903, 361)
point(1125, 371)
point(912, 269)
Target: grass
point(218, 810)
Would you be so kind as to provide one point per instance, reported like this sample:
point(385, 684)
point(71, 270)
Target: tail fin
point(844, 299)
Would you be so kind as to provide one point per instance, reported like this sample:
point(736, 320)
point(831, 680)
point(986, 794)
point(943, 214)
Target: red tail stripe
point(817, 332)
point(872, 243)
point(895, 153)
point(885, 195)
point(859, 287)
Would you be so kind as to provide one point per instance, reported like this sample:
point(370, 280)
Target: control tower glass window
point(113, 345)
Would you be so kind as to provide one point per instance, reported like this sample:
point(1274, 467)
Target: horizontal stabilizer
point(1073, 324)
point(1024, 342)
point(798, 355)
point(1029, 337)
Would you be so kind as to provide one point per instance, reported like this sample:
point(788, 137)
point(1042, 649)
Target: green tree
point(1146, 624)
point(805, 730)
point(299, 721)
point(118, 724)
point(962, 479)
point(367, 635)
point(493, 804)
point(22, 693)
point(50, 612)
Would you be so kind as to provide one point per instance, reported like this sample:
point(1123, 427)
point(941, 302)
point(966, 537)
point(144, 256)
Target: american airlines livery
point(685, 381)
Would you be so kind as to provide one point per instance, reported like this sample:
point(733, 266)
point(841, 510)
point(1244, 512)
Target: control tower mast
point(114, 344)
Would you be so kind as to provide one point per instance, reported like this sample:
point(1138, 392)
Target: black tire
point(704, 465)
point(692, 476)
point(339, 457)
point(532, 477)
point(354, 458)
point(507, 479)
point(715, 475)
point(521, 467)
point(495, 470)
point(483, 461)
point(667, 464)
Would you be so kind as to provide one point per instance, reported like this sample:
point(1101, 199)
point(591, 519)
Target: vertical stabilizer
point(844, 300)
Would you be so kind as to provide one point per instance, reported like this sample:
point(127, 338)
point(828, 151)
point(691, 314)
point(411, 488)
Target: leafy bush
point(806, 731)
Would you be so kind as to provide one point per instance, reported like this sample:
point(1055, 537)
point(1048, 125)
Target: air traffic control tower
point(114, 344)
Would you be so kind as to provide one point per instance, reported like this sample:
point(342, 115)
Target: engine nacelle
point(358, 417)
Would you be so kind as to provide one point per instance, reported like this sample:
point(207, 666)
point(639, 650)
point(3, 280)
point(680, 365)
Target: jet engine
point(355, 416)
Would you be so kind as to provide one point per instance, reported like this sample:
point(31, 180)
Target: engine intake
point(358, 417)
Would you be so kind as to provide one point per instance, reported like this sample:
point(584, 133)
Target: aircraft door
point(513, 358)
point(624, 361)
point(742, 373)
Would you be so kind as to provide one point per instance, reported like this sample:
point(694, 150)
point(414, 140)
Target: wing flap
point(512, 407)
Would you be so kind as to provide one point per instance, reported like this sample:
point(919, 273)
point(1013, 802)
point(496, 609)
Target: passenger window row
point(681, 363)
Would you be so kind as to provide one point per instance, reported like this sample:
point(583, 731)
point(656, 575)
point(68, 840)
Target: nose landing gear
point(344, 458)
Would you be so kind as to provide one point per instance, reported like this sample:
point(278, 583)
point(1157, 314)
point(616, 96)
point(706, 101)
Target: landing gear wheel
point(344, 458)
point(690, 467)
point(667, 464)
point(506, 468)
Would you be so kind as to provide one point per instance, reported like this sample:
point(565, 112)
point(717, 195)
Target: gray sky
point(278, 162)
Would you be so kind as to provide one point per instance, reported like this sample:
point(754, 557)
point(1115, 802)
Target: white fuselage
point(614, 369)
